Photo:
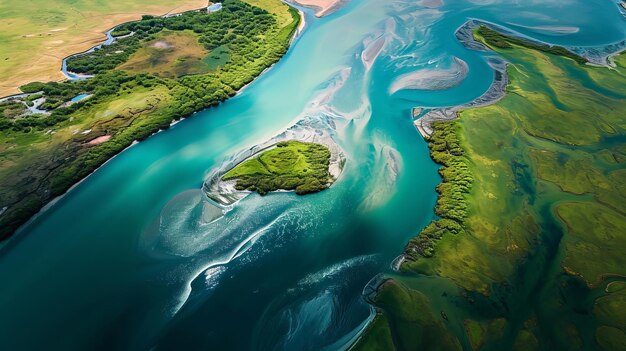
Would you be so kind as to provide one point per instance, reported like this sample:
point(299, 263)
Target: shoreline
point(321, 7)
point(48, 204)
point(223, 193)
point(110, 39)
point(424, 116)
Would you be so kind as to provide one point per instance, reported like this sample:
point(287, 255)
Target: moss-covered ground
point(291, 165)
point(537, 252)
point(170, 54)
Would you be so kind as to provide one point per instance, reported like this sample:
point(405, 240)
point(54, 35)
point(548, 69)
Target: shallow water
point(130, 258)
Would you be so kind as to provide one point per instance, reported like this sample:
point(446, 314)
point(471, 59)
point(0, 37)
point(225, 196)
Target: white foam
point(432, 78)
point(332, 271)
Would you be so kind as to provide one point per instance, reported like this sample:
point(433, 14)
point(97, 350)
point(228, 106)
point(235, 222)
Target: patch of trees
point(57, 94)
point(255, 44)
point(11, 109)
point(456, 182)
point(233, 26)
point(310, 180)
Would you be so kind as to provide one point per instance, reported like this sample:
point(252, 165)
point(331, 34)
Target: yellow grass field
point(36, 35)
point(275, 7)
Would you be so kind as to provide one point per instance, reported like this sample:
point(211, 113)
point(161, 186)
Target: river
point(127, 259)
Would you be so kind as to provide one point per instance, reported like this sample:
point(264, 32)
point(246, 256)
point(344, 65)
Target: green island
point(526, 252)
point(290, 165)
point(162, 69)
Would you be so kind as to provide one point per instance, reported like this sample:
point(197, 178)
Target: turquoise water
point(80, 97)
point(126, 260)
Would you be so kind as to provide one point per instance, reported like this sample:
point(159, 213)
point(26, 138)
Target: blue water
point(126, 260)
point(80, 97)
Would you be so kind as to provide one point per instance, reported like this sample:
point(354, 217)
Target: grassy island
point(290, 165)
point(527, 249)
point(164, 69)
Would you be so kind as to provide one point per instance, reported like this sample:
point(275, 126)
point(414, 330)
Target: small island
point(288, 165)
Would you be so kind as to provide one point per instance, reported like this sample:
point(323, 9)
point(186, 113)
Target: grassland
point(291, 165)
point(278, 9)
point(170, 54)
point(539, 253)
point(43, 154)
point(36, 35)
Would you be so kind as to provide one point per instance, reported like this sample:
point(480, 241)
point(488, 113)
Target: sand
point(99, 140)
point(322, 7)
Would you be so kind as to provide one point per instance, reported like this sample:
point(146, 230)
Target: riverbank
point(545, 163)
point(467, 34)
point(124, 108)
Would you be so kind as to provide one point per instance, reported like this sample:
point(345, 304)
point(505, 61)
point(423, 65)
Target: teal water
point(79, 97)
point(126, 260)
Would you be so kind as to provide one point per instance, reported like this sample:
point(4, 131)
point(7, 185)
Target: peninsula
point(529, 217)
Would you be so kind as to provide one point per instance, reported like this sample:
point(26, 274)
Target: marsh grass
point(291, 165)
point(541, 232)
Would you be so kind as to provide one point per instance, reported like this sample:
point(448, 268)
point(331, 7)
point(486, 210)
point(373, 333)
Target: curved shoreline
point(84, 28)
point(72, 76)
point(223, 193)
point(321, 7)
point(47, 205)
point(425, 116)
point(110, 39)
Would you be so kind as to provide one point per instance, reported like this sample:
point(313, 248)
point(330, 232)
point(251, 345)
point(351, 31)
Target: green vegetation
point(501, 41)
point(609, 310)
point(36, 35)
point(170, 54)
point(291, 165)
point(377, 336)
point(240, 27)
point(218, 57)
point(120, 32)
point(412, 326)
point(456, 182)
point(41, 156)
point(531, 256)
point(9, 110)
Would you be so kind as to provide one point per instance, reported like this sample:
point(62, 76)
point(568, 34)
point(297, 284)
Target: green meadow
point(170, 54)
point(290, 165)
point(527, 249)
